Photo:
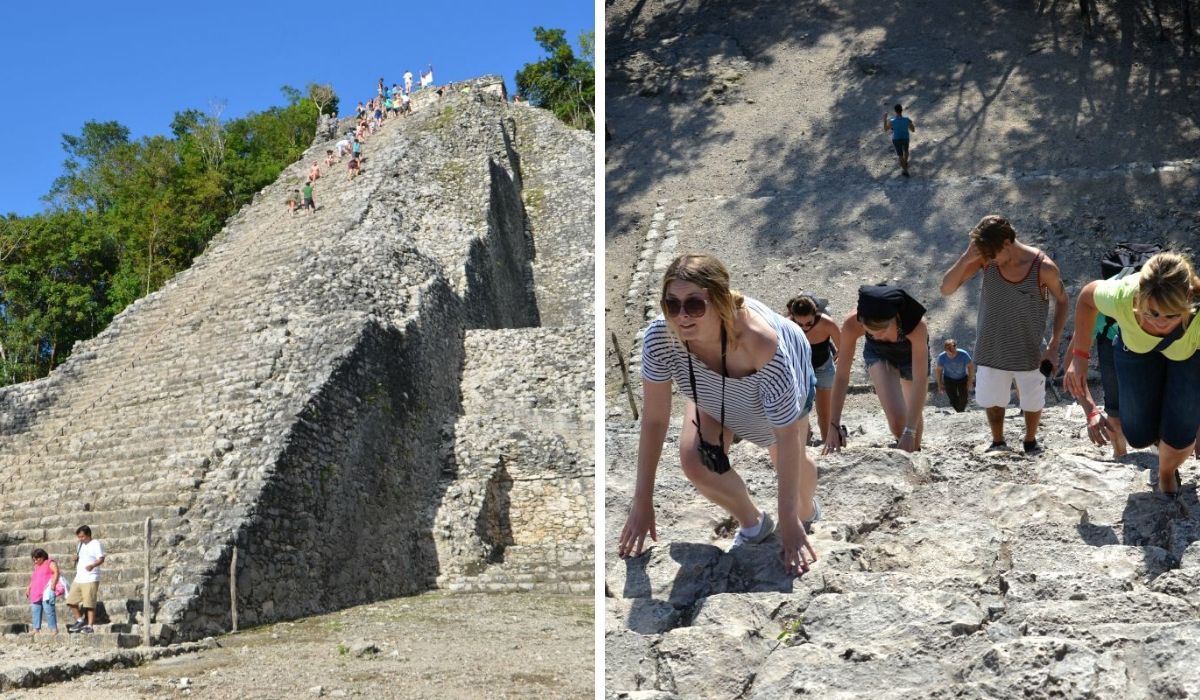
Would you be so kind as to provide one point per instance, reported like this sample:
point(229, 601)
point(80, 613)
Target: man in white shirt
point(86, 588)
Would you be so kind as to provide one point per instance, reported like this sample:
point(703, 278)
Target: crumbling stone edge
point(26, 677)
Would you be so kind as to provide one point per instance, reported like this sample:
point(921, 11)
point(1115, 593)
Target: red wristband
point(1095, 412)
point(1080, 354)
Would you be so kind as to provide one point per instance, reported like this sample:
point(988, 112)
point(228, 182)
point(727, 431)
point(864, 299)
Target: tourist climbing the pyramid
point(900, 126)
point(747, 373)
point(1156, 354)
point(407, 82)
point(308, 198)
point(824, 336)
point(1018, 280)
point(896, 354)
point(954, 372)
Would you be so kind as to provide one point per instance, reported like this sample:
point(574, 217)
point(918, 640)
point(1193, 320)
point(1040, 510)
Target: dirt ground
point(432, 645)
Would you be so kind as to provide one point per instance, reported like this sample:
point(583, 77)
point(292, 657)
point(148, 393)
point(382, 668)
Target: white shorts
point(993, 387)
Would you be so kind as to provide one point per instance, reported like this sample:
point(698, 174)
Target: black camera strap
point(696, 396)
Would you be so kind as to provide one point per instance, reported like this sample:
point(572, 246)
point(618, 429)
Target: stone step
point(96, 520)
point(117, 573)
point(37, 508)
point(122, 636)
point(120, 481)
point(116, 537)
point(125, 587)
point(115, 609)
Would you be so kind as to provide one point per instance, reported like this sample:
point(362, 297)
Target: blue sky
point(67, 62)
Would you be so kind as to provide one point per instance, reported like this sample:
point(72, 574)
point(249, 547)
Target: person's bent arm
point(850, 333)
point(963, 269)
point(919, 337)
point(797, 486)
point(656, 418)
point(1075, 378)
point(54, 577)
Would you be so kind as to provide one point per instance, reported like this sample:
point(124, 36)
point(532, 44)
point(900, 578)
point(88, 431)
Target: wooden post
point(233, 588)
point(625, 374)
point(146, 591)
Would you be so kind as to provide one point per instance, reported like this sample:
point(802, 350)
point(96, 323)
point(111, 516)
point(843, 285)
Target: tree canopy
point(125, 216)
point(562, 82)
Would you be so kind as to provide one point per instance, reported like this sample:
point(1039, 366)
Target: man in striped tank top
point(1018, 280)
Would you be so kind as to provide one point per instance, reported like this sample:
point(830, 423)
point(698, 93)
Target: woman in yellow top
point(1156, 358)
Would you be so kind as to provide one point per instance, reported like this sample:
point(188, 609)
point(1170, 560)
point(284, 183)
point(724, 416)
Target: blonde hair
point(711, 275)
point(1170, 281)
point(878, 324)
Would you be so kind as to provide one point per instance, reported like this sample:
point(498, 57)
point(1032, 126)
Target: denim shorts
point(872, 355)
point(1108, 376)
point(1158, 397)
point(825, 373)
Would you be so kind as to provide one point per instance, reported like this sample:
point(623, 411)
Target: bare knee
point(693, 468)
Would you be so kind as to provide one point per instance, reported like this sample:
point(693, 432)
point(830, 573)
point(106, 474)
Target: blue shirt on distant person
point(954, 367)
point(900, 127)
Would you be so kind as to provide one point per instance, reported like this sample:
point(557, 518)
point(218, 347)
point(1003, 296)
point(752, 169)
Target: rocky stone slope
point(294, 392)
point(755, 132)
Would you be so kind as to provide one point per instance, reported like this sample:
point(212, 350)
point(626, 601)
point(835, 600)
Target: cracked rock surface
point(953, 572)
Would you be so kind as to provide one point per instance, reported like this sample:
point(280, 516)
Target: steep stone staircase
point(225, 406)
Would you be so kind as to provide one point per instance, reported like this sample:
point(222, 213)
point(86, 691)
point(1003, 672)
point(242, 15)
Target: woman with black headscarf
point(896, 353)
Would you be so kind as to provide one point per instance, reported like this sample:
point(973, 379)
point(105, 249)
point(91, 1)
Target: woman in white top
point(748, 373)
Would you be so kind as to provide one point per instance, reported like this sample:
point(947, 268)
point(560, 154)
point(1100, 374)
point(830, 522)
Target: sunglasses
point(1159, 316)
point(692, 306)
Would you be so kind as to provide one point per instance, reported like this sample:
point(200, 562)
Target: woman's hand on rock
point(639, 523)
point(798, 554)
point(1097, 427)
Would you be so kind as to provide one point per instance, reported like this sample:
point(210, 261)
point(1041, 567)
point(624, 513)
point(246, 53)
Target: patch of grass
point(791, 629)
point(343, 650)
point(451, 174)
point(443, 120)
point(544, 679)
point(534, 198)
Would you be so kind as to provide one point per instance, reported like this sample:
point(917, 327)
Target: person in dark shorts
point(896, 353)
point(823, 334)
point(308, 198)
point(900, 126)
point(955, 373)
point(1156, 356)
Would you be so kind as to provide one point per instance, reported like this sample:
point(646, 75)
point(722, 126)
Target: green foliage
point(126, 216)
point(562, 83)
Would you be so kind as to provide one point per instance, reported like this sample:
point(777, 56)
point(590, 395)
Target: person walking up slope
point(1018, 280)
point(900, 126)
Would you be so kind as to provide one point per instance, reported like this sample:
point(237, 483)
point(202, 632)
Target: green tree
point(128, 215)
point(562, 83)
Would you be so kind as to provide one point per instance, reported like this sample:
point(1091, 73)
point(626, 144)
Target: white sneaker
point(816, 516)
point(764, 531)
